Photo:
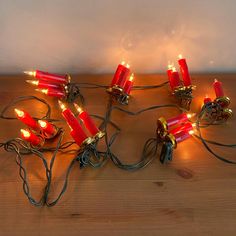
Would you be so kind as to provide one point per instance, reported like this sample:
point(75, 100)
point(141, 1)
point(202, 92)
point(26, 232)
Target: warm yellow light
point(190, 115)
point(62, 105)
point(194, 125)
point(25, 133)
point(215, 80)
point(131, 78)
point(34, 82)
point(180, 56)
point(174, 69)
point(191, 132)
point(42, 123)
point(78, 108)
point(45, 91)
point(20, 113)
point(122, 63)
point(170, 66)
point(31, 73)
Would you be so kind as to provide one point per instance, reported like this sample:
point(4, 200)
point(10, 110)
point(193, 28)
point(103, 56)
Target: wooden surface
point(195, 194)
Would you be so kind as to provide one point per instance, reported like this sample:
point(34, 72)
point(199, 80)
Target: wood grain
point(195, 194)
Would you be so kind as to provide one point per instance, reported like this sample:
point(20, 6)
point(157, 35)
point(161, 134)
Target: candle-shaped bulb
point(170, 66)
point(25, 133)
point(129, 84)
point(191, 132)
point(42, 123)
point(45, 91)
point(78, 108)
point(61, 105)
point(30, 73)
point(31, 137)
point(218, 88)
point(19, 113)
point(131, 78)
point(180, 56)
point(34, 82)
point(26, 119)
point(87, 120)
point(127, 65)
point(190, 115)
point(48, 128)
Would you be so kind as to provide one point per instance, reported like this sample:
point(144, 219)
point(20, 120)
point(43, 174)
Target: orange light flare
point(30, 73)
point(19, 113)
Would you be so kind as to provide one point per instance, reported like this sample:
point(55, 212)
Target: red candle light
point(174, 79)
point(72, 121)
point(182, 118)
point(47, 127)
point(43, 84)
point(169, 72)
point(184, 71)
point(54, 78)
point(187, 126)
point(78, 138)
point(218, 89)
point(26, 119)
point(31, 137)
point(58, 93)
point(183, 135)
point(207, 99)
point(129, 84)
point(122, 72)
point(88, 122)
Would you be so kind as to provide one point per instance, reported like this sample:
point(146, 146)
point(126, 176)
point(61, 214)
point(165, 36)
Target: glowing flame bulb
point(62, 105)
point(131, 78)
point(25, 133)
point(78, 108)
point(191, 132)
point(34, 82)
point(190, 115)
point(122, 63)
point(45, 91)
point(42, 123)
point(20, 113)
point(180, 56)
point(127, 66)
point(31, 73)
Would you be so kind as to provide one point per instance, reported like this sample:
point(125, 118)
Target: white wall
point(95, 35)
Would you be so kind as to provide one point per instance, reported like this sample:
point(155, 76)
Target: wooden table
point(195, 194)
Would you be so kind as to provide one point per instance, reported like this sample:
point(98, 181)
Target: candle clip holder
point(88, 145)
point(168, 141)
point(184, 95)
point(72, 92)
point(118, 94)
point(214, 112)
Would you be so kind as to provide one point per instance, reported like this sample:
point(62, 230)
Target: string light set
point(87, 135)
